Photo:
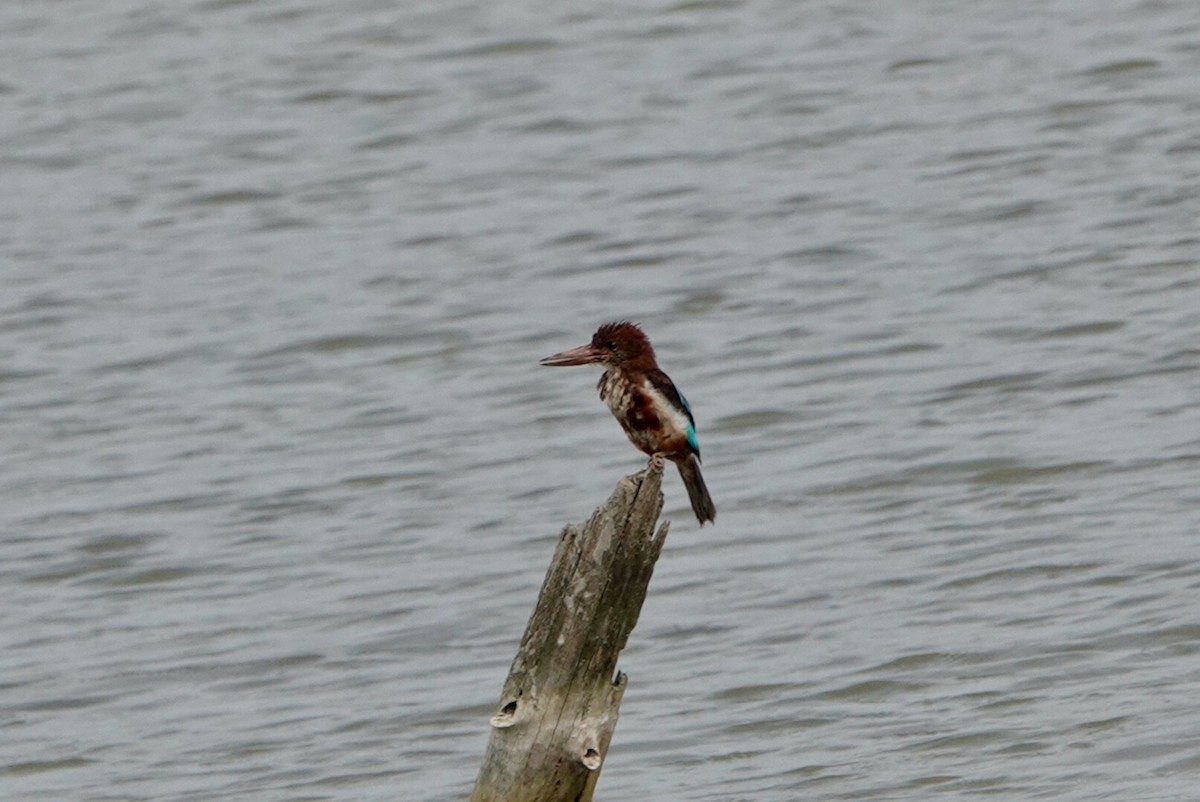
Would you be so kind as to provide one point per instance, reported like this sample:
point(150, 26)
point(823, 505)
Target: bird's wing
point(663, 384)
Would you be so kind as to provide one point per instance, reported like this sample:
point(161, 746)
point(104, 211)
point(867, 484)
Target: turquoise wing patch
point(667, 389)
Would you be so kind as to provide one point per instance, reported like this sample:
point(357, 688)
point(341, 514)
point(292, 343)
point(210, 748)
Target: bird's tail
point(702, 503)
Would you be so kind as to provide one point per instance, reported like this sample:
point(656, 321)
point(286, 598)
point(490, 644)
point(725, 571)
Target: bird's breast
point(628, 402)
point(648, 419)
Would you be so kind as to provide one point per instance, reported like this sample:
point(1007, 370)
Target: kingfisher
point(654, 414)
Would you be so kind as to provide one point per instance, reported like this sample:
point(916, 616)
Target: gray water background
point(281, 476)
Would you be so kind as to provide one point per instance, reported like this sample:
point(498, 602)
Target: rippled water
point(281, 474)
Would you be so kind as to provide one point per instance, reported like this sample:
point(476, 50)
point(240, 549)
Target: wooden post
point(557, 713)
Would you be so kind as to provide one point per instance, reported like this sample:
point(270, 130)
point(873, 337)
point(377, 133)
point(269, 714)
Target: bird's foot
point(657, 461)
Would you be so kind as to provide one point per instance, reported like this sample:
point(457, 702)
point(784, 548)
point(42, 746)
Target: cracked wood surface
point(556, 715)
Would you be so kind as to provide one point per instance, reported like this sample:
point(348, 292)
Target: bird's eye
point(610, 345)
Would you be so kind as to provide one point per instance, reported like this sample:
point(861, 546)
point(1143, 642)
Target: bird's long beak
point(583, 355)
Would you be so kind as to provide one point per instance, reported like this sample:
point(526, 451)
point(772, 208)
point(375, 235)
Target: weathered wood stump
point(558, 710)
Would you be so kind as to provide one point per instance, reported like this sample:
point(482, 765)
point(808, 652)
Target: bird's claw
point(657, 461)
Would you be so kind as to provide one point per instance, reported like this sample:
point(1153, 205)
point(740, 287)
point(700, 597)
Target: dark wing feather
point(662, 382)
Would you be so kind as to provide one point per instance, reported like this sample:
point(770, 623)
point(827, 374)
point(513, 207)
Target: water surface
point(282, 475)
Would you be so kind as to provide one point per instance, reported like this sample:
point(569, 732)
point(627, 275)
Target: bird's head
point(620, 344)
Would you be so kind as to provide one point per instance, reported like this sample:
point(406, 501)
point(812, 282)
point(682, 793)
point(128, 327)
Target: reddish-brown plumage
point(627, 345)
point(649, 407)
point(639, 412)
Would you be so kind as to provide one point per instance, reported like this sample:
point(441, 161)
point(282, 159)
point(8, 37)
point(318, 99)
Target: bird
point(654, 414)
